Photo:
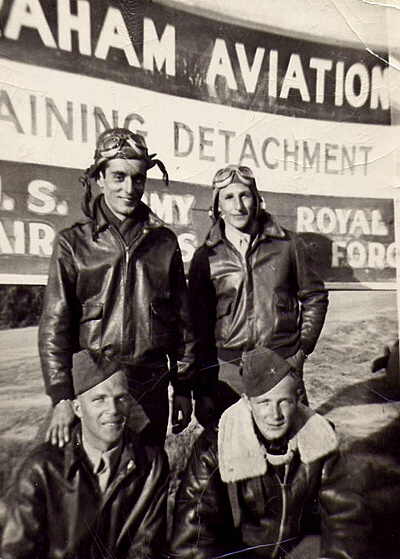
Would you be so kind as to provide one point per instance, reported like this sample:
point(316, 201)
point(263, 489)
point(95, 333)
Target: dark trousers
point(149, 388)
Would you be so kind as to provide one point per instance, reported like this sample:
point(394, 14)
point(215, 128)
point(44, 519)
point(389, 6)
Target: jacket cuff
point(60, 392)
point(307, 347)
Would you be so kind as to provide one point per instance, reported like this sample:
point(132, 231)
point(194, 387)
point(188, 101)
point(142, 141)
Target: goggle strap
point(134, 145)
point(162, 168)
point(85, 180)
point(88, 174)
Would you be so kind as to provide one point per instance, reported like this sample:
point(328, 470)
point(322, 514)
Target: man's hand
point(181, 413)
point(58, 432)
point(205, 410)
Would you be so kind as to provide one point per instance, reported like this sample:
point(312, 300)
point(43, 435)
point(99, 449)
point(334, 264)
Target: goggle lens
point(110, 146)
point(110, 143)
point(227, 175)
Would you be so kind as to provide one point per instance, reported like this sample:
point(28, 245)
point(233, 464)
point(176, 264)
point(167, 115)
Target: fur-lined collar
point(242, 456)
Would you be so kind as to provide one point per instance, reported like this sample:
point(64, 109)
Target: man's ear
point(100, 181)
point(77, 408)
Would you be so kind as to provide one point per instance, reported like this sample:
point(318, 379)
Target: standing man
point(259, 483)
point(103, 494)
point(117, 287)
point(251, 283)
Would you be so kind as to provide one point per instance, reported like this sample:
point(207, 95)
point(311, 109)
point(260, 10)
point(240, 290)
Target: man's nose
point(111, 406)
point(277, 412)
point(129, 185)
point(239, 204)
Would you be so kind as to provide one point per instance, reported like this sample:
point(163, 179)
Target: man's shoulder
point(214, 238)
point(142, 451)
point(201, 255)
point(157, 225)
point(46, 451)
point(315, 435)
point(40, 458)
point(270, 226)
point(80, 228)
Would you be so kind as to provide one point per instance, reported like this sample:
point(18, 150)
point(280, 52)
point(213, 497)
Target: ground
point(338, 378)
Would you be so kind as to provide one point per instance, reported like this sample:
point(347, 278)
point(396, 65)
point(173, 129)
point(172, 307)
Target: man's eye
point(119, 178)
point(98, 400)
point(285, 403)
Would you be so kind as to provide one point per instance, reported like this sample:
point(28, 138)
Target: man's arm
point(312, 295)
point(345, 523)
point(58, 334)
point(24, 535)
point(203, 525)
point(182, 361)
point(203, 305)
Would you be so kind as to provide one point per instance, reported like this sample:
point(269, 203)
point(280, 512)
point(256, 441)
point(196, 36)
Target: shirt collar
point(236, 237)
point(108, 214)
point(95, 455)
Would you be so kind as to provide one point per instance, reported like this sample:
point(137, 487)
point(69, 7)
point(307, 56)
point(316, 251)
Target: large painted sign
point(352, 239)
point(311, 119)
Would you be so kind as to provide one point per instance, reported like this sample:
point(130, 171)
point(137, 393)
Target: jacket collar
point(100, 221)
point(74, 454)
point(242, 456)
point(269, 228)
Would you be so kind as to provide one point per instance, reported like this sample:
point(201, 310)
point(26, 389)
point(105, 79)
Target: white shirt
point(102, 462)
point(239, 239)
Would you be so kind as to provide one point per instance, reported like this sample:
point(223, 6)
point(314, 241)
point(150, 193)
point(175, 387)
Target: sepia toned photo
point(199, 310)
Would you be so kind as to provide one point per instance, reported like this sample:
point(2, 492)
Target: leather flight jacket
point(236, 500)
point(272, 297)
point(127, 301)
point(56, 510)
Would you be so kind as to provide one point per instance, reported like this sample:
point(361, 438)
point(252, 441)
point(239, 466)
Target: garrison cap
point(262, 369)
point(88, 371)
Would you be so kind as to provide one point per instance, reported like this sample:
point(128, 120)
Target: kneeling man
point(103, 494)
point(266, 476)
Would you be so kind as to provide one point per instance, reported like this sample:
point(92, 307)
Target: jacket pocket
point(223, 316)
point(91, 327)
point(163, 321)
point(286, 314)
point(224, 306)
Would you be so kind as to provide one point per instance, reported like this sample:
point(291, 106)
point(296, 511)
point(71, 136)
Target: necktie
point(103, 472)
point(244, 245)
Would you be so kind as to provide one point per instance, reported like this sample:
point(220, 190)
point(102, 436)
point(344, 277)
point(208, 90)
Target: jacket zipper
point(126, 250)
point(250, 298)
point(121, 241)
point(247, 285)
point(284, 510)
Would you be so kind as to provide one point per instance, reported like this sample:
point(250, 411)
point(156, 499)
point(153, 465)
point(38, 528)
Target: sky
point(348, 22)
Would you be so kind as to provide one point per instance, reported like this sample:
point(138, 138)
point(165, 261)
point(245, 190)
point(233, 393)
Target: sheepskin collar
point(242, 456)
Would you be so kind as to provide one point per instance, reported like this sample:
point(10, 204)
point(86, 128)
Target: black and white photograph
point(199, 279)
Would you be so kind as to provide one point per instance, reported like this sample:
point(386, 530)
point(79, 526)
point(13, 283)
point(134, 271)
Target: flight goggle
point(226, 176)
point(111, 145)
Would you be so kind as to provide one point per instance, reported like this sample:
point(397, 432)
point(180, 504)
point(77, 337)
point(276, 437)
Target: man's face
point(104, 410)
point(123, 184)
point(273, 411)
point(236, 204)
